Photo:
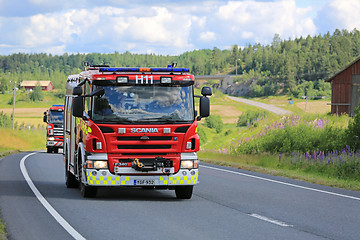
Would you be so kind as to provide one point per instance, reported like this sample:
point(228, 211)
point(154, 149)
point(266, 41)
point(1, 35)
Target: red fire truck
point(55, 131)
point(132, 127)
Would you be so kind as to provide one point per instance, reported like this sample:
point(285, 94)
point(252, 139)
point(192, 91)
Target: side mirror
point(45, 117)
point(206, 91)
point(204, 106)
point(77, 106)
point(77, 91)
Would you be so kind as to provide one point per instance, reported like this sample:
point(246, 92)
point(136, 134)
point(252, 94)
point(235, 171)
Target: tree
point(37, 94)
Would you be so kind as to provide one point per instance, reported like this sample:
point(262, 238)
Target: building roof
point(339, 72)
point(34, 83)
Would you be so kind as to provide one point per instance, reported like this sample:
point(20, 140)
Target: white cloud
point(166, 27)
point(261, 20)
point(346, 12)
point(207, 36)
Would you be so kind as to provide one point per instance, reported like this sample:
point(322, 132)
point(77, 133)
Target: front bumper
point(106, 178)
point(57, 144)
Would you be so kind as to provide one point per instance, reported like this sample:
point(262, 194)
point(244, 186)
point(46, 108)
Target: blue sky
point(164, 27)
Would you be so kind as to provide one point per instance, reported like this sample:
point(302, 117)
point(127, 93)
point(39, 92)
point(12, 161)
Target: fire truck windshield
point(56, 116)
point(122, 104)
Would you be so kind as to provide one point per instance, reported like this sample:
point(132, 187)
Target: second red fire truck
point(53, 117)
point(132, 127)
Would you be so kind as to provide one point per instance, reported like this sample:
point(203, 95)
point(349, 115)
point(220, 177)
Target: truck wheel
point(56, 150)
point(184, 192)
point(49, 150)
point(70, 180)
point(87, 191)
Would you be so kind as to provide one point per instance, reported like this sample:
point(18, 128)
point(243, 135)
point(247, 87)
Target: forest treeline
point(295, 67)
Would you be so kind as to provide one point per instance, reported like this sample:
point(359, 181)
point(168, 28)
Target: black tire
point(56, 150)
point(70, 180)
point(184, 192)
point(87, 191)
point(49, 150)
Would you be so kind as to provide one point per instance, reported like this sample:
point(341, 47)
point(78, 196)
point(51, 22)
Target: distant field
point(228, 113)
point(32, 116)
point(298, 106)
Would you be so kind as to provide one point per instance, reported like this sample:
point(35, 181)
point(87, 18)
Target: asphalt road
point(227, 204)
point(268, 107)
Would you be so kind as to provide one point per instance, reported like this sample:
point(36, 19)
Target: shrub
point(202, 135)
point(37, 94)
point(250, 117)
point(214, 122)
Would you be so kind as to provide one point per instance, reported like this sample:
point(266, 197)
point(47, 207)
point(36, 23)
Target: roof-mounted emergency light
point(144, 69)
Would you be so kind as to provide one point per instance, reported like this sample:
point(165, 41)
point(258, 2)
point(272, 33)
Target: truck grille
point(58, 131)
point(150, 138)
point(144, 146)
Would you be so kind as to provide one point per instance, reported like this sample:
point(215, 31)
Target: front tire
point(87, 191)
point(49, 150)
point(184, 192)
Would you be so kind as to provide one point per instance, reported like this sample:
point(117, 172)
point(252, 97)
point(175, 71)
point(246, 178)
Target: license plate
point(144, 182)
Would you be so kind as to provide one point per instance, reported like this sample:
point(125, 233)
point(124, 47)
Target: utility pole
point(13, 115)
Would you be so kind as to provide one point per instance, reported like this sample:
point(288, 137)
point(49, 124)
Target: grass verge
point(3, 234)
point(269, 164)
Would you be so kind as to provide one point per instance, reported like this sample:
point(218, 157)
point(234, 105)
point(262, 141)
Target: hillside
point(294, 67)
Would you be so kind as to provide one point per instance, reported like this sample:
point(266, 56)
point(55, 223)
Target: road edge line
point(45, 203)
point(283, 183)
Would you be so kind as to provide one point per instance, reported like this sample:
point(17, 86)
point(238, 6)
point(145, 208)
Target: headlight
point(51, 138)
point(100, 164)
point(96, 164)
point(187, 164)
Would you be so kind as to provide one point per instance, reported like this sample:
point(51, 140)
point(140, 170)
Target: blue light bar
point(144, 69)
point(54, 105)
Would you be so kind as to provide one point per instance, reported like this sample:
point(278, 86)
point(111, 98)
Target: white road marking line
point(283, 183)
point(46, 204)
point(270, 220)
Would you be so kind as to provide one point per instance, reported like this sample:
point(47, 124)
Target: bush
point(302, 138)
point(214, 122)
point(353, 131)
point(202, 135)
point(5, 120)
point(250, 117)
point(37, 94)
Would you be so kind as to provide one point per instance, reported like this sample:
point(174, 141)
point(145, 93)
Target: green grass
point(21, 100)
point(2, 231)
point(269, 164)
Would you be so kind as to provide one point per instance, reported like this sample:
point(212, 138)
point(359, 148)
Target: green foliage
point(214, 122)
point(296, 67)
point(301, 138)
point(37, 94)
point(353, 131)
point(250, 117)
point(5, 120)
point(202, 135)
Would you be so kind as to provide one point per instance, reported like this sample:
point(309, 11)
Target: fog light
point(94, 173)
point(188, 145)
point(184, 173)
point(192, 173)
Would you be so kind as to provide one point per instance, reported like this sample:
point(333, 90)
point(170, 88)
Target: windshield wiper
point(163, 118)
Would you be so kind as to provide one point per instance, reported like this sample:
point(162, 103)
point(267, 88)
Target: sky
point(164, 27)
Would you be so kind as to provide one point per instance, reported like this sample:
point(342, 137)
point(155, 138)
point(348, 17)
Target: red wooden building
point(345, 86)
point(30, 85)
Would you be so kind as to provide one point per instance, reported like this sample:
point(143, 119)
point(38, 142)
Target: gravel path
point(268, 107)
